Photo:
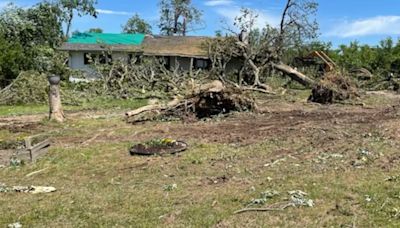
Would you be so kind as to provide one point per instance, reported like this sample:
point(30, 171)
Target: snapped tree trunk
point(294, 74)
point(56, 111)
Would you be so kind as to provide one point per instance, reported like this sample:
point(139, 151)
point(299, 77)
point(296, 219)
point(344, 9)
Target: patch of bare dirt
point(5, 156)
point(245, 129)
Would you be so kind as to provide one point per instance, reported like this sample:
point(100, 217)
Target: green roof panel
point(106, 38)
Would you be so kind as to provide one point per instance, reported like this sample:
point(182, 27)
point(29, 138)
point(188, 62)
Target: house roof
point(99, 47)
point(182, 46)
point(107, 38)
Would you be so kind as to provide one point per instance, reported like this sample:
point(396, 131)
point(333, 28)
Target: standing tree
point(81, 7)
point(136, 24)
point(33, 33)
point(298, 24)
point(178, 17)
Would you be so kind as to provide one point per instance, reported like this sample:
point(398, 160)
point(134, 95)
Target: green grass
point(95, 104)
point(100, 185)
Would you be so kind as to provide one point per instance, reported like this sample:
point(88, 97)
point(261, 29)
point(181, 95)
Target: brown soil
point(245, 129)
point(5, 156)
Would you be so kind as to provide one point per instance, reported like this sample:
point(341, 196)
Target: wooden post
point(191, 67)
point(56, 111)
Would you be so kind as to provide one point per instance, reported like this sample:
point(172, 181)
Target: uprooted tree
point(260, 52)
point(202, 101)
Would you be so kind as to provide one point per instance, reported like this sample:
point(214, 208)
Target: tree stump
point(56, 111)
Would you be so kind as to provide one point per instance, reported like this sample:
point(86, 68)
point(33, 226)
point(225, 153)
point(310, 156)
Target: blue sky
point(341, 21)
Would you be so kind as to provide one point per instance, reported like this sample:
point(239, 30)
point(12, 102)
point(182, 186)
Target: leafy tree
point(39, 25)
point(178, 17)
point(12, 60)
point(80, 7)
point(33, 34)
point(95, 30)
point(48, 24)
point(137, 25)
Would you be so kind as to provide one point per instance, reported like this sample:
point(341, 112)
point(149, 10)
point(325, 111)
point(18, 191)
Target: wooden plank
point(39, 149)
point(32, 153)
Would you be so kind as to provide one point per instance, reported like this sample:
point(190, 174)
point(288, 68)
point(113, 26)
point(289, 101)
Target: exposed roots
point(333, 88)
point(206, 101)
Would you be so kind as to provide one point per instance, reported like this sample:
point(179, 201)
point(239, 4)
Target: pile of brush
point(333, 88)
point(204, 101)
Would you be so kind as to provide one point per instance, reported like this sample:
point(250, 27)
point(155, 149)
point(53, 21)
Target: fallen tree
point(206, 100)
point(334, 87)
point(294, 74)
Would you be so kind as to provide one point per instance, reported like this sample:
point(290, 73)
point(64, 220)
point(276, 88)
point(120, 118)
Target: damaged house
point(185, 52)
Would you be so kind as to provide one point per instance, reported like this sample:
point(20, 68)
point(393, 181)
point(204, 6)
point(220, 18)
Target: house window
point(92, 58)
point(201, 63)
point(89, 58)
point(102, 59)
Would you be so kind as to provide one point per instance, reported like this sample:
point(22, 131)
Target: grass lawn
point(342, 156)
point(95, 104)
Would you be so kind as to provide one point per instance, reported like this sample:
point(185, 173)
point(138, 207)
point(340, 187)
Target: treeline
point(382, 59)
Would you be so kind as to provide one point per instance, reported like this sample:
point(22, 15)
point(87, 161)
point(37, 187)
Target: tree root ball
point(333, 88)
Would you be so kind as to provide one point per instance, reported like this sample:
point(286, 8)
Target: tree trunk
point(69, 23)
point(294, 74)
point(56, 111)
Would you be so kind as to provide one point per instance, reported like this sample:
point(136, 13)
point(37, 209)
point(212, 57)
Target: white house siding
point(77, 62)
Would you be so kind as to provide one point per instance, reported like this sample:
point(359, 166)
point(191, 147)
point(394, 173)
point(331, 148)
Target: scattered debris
point(36, 172)
point(297, 199)
point(170, 187)
point(204, 101)
point(158, 147)
point(27, 189)
point(393, 178)
point(395, 212)
point(14, 162)
point(275, 162)
point(15, 225)
point(264, 197)
point(364, 157)
point(324, 157)
point(218, 180)
point(368, 198)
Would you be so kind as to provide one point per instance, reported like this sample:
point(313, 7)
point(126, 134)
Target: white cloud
point(263, 18)
point(379, 25)
point(218, 3)
point(112, 12)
